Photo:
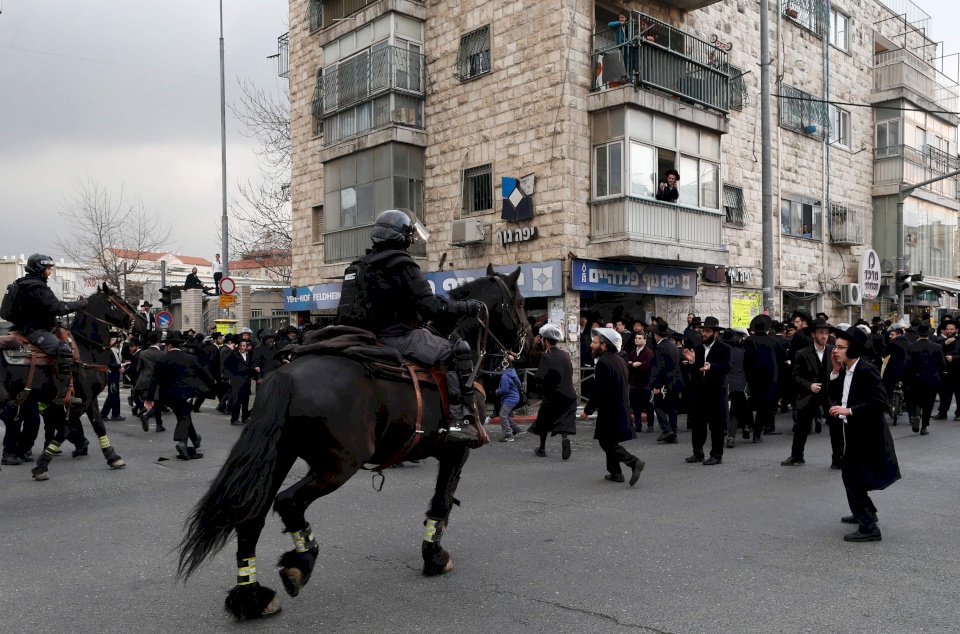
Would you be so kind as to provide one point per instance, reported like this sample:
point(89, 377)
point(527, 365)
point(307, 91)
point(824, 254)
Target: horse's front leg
point(111, 455)
point(248, 599)
point(452, 457)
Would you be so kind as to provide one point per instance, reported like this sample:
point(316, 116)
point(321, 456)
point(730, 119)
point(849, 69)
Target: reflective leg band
point(104, 442)
point(52, 448)
point(303, 540)
point(430, 531)
point(247, 573)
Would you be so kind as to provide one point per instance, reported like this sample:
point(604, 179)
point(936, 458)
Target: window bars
point(738, 89)
point(478, 189)
point(734, 207)
point(802, 112)
point(810, 14)
point(473, 57)
point(315, 15)
point(847, 223)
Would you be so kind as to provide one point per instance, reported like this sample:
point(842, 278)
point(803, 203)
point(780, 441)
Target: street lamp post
point(224, 219)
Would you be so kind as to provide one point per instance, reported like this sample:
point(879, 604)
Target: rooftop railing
point(649, 53)
point(902, 69)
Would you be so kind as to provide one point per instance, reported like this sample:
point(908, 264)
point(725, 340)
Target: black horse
point(90, 330)
point(337, 416)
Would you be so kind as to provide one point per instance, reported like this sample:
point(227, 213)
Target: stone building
point(536, 133)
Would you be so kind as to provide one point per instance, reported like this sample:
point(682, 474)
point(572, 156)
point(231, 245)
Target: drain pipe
point(826, 160)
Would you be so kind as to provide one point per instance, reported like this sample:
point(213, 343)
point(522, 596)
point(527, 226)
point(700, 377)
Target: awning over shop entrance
point(939, 285)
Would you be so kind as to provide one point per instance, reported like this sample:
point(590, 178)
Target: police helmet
point(398, 228)
point(37, 263)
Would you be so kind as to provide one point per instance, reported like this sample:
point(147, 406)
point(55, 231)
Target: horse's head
point(501, 294)
point(108, 306)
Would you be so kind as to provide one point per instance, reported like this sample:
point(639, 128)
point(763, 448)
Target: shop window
point(801, 217)
point(608, 169)
point(478, 189)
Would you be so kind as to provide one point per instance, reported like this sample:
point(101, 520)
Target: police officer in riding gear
point(35, 316)
point(396, 298)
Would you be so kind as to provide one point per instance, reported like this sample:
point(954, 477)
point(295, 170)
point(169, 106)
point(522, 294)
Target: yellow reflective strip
point(431, 531)
point(104, 442)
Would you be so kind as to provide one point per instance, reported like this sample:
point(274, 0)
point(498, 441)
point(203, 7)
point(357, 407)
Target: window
point(802, 112)
point(801, 217)
point(839, 127)
point(734, 210)
point(838, 29)
point(317, 213)
point(643, 169)
point(810, 14)
point(478, 189)
point(738, 88)
point(473, 57)
point(608, 169)
point(888, 138)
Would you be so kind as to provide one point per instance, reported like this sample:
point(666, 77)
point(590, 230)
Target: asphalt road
point(539, 545)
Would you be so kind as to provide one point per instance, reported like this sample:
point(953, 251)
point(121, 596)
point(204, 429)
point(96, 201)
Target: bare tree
point(263, 227)
point(111, 236)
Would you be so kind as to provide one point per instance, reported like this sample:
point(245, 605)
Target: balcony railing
point(810, 14)
point(847, 223)
point(388, 69)
point(653, 221)
point(351, 243)
point(802, 112)
point(653, 54)
point(904, 164)
point(902, 69)
point(283, 55)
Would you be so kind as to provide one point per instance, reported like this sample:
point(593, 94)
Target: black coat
point(665, 372)
point(265, 359)
point(209, 356)
point(952, 349)
point(762, 359)
point(737, 379)
point(36, 307)
point(238, 371)
point(897, 362)
point(146, 360)
point(554, 383)
point(808, 369)
point(178, 376)
point(869, 457)
point(925, 362)
point(709, 389)
point(611, 399)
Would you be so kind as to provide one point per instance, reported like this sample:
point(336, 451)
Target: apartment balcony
point(649, 229)
point(283, 56)
point(388, 69)
point(899, 70)
point(348, 244)
point(847, 223)
point(903, 164)
point(650, 54)
point(690, 5)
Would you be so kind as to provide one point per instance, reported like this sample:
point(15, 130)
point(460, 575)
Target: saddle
point(17, 349)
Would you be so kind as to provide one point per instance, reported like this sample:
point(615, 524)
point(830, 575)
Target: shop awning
point(939, 285)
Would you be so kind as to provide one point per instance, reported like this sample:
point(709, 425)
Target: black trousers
point(241, 403)
point(804, 426)
point(111, 404)
point(666, 410)
point(184, 429)
point(216, 281)
point(860, 503)
point(923, 399)
point(949, 390)
point(615, 455)
point(641, 403)
point(699, 423)
point(766, 408)
point(741, 416)
point(22, 428)
point(837, 441)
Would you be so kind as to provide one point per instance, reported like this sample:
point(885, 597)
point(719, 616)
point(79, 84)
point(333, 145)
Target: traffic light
point(905, 282)
point(165, 299)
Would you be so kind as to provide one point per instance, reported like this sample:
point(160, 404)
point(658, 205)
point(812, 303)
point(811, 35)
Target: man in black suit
point(666, 382)
point(896, 363)
point(950, 383)
point(811, 376)
point(925, 362)
point(225, 406)
point(611, 401)
point(177, 378)
point(208, 352)
point(869, 459)
point(762, 358)
point(146, 360)
point(709, 363)
point(264, 355)
point(238, 369)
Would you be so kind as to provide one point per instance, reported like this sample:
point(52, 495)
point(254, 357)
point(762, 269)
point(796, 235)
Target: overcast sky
point(150, 118)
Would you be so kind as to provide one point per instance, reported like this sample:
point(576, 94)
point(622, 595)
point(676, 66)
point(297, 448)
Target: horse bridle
point(123, 307)
point(514, 313)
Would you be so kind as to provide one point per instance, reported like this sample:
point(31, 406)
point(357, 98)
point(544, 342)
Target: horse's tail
point(242, 490)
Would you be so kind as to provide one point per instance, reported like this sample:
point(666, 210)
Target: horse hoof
point(273, 607)
point(40, 476)
point(252, 602)
point(448, 567)
point(117, 464)
point(292, 581)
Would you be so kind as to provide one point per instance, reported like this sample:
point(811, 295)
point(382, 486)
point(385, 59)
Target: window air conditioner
point(468, 231)
point(850, 295)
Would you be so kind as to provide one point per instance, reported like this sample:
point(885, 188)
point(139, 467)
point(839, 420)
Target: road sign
point(163, 319)
point(228, 286)
point(228, 301)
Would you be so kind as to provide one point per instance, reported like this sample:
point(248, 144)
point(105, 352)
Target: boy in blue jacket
point(509, 393)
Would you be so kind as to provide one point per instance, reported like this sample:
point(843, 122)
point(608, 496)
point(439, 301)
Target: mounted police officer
point(35, 313)
point(392, 299)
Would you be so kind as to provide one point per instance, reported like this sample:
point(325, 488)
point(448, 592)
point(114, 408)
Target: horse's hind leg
point(436, 560)
point(296, 565)
point(113, 458)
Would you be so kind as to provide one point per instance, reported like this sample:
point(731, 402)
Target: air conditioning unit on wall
point(468, 231)
point(851, 295)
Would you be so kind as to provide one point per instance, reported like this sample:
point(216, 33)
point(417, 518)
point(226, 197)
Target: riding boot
point(64, 366)
point(463, 420)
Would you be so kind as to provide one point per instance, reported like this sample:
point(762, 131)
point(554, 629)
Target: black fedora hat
point(923, 330)
point(805, 316)
point(171, 337)
point(712, 323)
point(819, 323)
point(858, 340)
point(696, 322)
point(661, 328)
point(761, 323)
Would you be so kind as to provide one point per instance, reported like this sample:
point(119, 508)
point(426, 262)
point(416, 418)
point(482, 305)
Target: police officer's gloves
point(474, 307)
point(79, 304)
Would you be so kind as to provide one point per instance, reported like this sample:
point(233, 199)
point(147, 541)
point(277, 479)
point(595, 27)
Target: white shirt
point(217, 267)
point(847, 380)
point(819, 351)
point(706, 349)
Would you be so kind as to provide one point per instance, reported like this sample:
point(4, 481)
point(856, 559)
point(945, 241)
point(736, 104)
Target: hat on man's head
point(711, 322)
point(551, 332)
point(152, 337)
point(858, 340)
point(819, 323)
point(661, 328)
point(216, 334)
point(696, 322)
point(171, 337)
point(805, 316)
point(266, 334)
point(923, 329)
point(761, 323)
point(146, 304)
point(608, 335)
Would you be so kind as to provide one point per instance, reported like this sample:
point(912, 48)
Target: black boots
point(62, 380)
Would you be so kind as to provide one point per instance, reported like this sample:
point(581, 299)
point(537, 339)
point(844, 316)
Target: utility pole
point(766, 159)
point(905, 191)
point(224, 219)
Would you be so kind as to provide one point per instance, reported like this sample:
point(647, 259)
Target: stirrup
point(462, 431)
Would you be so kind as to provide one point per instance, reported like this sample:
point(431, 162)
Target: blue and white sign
point(633, 277)
point(316, 297)
point(541, 279)
point(163, 319)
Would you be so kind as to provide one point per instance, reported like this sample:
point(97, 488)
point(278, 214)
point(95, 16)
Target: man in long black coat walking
point(666, 382)
point(869, 459)
point(762, 359)
point(611, 401)
point(709, 363)
point(554, 384)
point(811, 377)
point(925, 363)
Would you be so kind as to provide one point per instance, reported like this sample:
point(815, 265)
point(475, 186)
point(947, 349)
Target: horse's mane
point(464, 291)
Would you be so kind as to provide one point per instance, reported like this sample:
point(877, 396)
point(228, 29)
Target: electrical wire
point(102, 61)
point(866, 105)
